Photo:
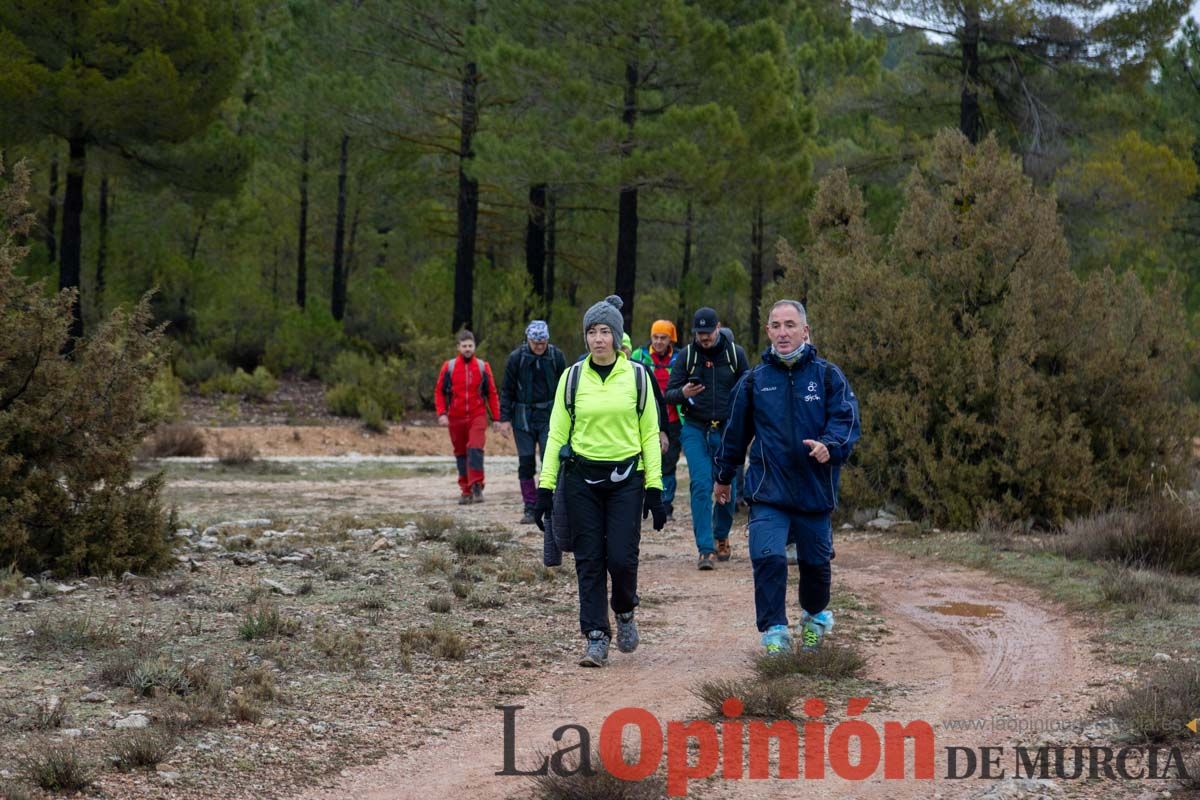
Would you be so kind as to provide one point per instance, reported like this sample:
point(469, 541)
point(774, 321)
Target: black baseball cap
point(705, 320)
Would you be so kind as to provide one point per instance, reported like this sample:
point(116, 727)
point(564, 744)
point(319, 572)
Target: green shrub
point(144, 748)
point(767, 699)
point(1159, 533)
point(343, 399)
point(473, 543)
point(992, 380)
point(832, 661)
point(257, 386)
point(70, 426)
point(1159, 708)
point(265, 622)
point(196, 368)
point(58, 768)
point(358, 380)
point(164, 398)
point(304, 343)
point(371, 414)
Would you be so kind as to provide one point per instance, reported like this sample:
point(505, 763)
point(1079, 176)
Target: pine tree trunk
point(52, 214)
point(195, 248)
point(71, 246)
point(102, 250)
point(468, 206)
point(970, 117)
point(302, 244)
point(756, 272)
point(337, 301)
point(551, 250)
point(351, 251)
point(681, 317)
point(535, 240)
point(627, 213)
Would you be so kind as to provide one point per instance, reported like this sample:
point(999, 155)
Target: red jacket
point(465, 392)
point(662, 371)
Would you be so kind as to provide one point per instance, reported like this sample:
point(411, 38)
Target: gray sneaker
point(596, 654)
point(627, 633)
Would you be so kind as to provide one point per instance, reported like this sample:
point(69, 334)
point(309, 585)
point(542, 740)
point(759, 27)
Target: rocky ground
point(339, 627)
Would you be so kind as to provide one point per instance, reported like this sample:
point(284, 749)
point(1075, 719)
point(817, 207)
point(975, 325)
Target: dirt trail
point(960, 645)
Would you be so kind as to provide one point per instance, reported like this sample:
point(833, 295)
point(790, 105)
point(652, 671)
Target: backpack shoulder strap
point(690, 361)
point(569, 393)
point(448, 381)
point(639, 380)
point(732, 358)
point(485, 378)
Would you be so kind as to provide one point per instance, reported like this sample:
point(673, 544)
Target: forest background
point(991, 207)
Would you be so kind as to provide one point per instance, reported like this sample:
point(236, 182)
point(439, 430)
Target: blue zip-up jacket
point(775, 408)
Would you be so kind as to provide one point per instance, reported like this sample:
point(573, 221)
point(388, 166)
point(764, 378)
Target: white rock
point(1162, 657)
point(93, 697)
point(71, 733)
point(278, 588)
point(882, 523)
point(133, 721)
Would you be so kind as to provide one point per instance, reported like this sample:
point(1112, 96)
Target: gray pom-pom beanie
point(606, 312)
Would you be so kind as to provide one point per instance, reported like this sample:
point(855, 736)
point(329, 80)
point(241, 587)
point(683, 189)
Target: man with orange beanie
point(659, 356)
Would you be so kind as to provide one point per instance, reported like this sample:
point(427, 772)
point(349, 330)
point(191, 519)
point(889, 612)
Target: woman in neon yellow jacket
point(606, 439)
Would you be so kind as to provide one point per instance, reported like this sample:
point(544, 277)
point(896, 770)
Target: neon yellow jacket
point(607, 426)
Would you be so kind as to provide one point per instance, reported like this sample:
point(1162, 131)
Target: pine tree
point(116, 75)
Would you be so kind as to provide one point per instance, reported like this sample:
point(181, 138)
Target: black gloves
point(653, 504)
point(543, 508)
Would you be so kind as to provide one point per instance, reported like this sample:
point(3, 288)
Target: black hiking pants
point(606, 524)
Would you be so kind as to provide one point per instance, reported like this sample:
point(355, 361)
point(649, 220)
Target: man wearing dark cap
point(701, 384)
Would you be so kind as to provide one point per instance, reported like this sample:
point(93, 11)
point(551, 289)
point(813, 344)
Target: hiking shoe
point(777, 640)
point(627, 633)
point(465, 499)
point(723, 551)
point(596, 654)
point(477, 493)
point(706, 562)
point(813, 629)
point(527, 518)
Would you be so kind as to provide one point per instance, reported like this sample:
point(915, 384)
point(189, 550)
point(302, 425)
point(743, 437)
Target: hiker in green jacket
point(609, 449)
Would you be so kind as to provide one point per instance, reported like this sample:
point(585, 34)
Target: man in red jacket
point(465, 398)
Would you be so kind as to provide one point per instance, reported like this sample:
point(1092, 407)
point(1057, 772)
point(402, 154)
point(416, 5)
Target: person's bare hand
point(721, 493)
point(663, 441)
point(504, 428)
point(692, 389)
point(443, 420)
point(818, 451)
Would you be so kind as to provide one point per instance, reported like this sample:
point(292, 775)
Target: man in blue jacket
point(798, 416)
